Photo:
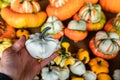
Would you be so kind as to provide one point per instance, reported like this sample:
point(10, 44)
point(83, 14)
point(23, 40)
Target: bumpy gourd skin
point(23, 20)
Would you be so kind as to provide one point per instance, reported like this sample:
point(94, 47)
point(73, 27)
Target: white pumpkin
point(89, 75)
point(78, 68)
point(77, 25)
point(55, 73)
point(116, 74)
point(55, 25)
point(41, 46)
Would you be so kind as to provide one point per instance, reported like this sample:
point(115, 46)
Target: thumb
point(18, 45)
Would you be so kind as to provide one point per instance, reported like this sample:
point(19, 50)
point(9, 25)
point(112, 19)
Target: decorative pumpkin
point(83, 55)
point(93, 15)
point(76, 78)
point(91, 1)
point(76, 30)
point(105, 44)
point(99, 65)
point(21, 32)
point(65, 58)
point(89, 75)
point(113, 24)
point(104, 76)
point(6, 31)
point(116, 74)
point(41, 46)
point(55, 73)
point(25, 6)
point(56, 27)
point(23, 20)
point(78, 68)
point(112, 6)
point(4, 43)
point(63, 9)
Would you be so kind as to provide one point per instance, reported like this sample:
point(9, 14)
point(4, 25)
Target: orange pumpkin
point(92, 1)
point(21, 32)
point(6, 31)
point(23, 20)
point(25, 6)
point(76, 30)
point(113, 25)
point(63, 9)
point(105, 45)
point(112, 6)
point(93, 16)
point(99, 65)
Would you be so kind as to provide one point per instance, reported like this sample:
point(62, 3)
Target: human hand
point(18, 64)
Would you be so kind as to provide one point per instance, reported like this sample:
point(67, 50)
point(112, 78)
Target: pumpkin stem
point(21, 1)
point(85, 58)
point(49, 67)
point(99, 62)
point(43, 32)
point(1, 42)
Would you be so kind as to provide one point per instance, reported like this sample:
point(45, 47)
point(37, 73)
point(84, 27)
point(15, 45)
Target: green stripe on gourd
point(91, 13)
point(107, 43)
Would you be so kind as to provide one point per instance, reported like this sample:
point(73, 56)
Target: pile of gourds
point(61, 24)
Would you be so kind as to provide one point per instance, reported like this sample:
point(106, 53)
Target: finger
point(18, 45)
point(47, 60)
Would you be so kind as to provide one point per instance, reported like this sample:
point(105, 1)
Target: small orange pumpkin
point(99, 65)
point(21, 32)
point(63, 9)
point(6, 31)
point(76, 30)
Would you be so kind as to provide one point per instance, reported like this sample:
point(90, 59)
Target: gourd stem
point(99, 62)
point(85, 58)
point(1, 42)
point(49, 67)
point(43, 32)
